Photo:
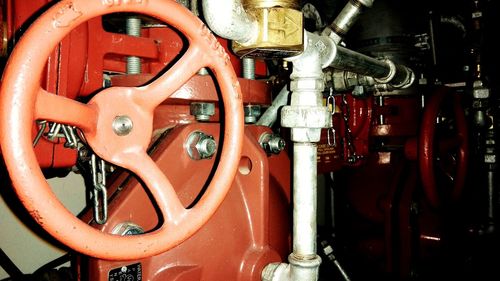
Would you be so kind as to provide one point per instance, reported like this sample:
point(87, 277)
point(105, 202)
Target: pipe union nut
point(307, 84)
point(305, 117)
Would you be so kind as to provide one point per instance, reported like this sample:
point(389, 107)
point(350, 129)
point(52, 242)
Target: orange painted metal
point(18, 16)
point(22, 100)
point(248, 231)
point(202, 88)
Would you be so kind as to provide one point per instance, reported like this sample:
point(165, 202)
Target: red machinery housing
point(398, 167)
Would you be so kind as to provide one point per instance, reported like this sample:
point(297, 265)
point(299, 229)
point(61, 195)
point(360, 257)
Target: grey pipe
point(271, 114)
point(384, 71)
point(358, 63)
point(228, 19)
point(304, 199)
point(346, 19)
point(306, 116)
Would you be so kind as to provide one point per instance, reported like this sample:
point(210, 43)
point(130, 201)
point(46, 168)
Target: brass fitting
point(281, 31)
point(292, 4)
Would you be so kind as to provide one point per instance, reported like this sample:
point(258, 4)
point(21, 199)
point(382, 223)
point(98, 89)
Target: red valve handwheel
point(22, 100)
point(430, 143)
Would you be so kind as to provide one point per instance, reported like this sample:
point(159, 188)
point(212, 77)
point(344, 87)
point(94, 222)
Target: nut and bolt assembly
point(200, 146)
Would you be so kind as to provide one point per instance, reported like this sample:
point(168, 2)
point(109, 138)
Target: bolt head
point(122, 125)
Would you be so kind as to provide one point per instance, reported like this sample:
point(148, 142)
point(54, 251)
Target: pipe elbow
point(228, 19)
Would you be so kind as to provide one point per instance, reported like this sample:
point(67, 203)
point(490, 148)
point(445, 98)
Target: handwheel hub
point(122, 125)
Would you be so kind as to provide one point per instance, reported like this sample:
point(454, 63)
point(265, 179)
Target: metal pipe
point(228, 19)
point(384, 71)
point(346, 19)
point(304, 199)
point(362, 64)
point(491, 196)
point(306, 116)
point(271, 114)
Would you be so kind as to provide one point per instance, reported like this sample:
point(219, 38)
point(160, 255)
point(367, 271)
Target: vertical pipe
point(304, 199)
point(491, 196)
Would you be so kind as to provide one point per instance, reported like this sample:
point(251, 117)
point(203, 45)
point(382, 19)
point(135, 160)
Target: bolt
point(122, 125)
point(252, 112)
point(133, 28)
point(200, 146)
point(202, 110)
point(206, 146)
point(84, 154)
point(272, 143)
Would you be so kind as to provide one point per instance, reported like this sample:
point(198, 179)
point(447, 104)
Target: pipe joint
point(304, 269)
point(228, 19)
point(392, 72)
point(399, 77)
point(276, 272)
point(318, 50)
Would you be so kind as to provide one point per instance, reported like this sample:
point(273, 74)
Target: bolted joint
point(252, 112)
point(202, 111)
point(272, 143)
point(200, 146)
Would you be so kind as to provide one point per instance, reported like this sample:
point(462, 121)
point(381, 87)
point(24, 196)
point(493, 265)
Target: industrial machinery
point(254, 139)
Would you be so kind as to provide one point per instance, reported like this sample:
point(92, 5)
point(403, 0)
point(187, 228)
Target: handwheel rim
point(18, 99)
point(427, 144)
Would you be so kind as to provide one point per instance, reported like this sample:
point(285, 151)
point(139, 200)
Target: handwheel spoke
point(119, 128)
point(158, 184)
point(63, 110)
point(163, 87)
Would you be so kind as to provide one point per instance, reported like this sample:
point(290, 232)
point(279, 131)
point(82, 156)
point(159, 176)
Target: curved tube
point(228, 19)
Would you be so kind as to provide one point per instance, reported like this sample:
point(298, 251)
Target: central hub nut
point(122, 125)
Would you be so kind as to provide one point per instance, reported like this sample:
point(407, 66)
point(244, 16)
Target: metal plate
point(131, 272)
